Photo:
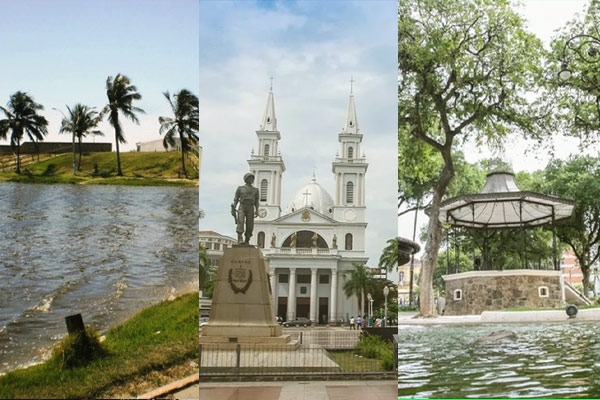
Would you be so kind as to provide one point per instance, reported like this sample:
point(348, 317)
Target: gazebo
point(502, 205)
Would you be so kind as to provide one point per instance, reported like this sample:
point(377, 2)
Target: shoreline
point(172, 294)
point(503, 317)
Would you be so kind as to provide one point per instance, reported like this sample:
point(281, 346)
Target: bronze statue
point(247, 197)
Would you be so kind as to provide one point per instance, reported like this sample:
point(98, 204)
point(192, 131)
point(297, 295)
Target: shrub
point(77, 350)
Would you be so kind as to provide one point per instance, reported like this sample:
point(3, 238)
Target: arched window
point(350, 152)
point(349, 193)
point(261, 240)
point(264, 185)
point(267, 150)
point(348, 241)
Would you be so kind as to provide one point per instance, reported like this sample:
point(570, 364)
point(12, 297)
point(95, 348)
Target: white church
point(319, 238)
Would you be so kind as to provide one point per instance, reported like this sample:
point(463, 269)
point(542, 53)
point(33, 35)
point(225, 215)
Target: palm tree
point(120, 95)
point(358, 282)
point(185, 122)
point(22, 117)
point(389, 256)
point(81, 122)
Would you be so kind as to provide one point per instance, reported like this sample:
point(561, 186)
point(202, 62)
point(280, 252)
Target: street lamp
point(370, 307)
point(72, 139)
point(585, 46)
point(386, 291)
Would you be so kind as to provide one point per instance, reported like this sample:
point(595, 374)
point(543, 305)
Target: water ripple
point(545, 360)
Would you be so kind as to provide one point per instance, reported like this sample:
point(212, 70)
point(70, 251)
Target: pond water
point(102, 251)
point(544, 360)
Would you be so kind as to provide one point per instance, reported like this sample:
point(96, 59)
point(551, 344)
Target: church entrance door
point(282, 307)
point(323, 310)
point(303, 307)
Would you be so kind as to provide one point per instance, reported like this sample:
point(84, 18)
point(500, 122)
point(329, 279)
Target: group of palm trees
point(23, 118)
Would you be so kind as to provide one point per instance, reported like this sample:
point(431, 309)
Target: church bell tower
point(267, 165)
point(349, 169)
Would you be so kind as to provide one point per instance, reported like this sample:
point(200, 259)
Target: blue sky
point(62, 51)
point(312, 49)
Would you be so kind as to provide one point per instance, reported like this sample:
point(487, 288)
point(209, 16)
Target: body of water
point(102, 251)
point(542, 360)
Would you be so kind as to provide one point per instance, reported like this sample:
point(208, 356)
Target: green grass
point(158, 337)
point(349, 362)
point(147, 169)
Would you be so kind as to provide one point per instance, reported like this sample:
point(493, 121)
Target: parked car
point(301, 321)
point(203, 321)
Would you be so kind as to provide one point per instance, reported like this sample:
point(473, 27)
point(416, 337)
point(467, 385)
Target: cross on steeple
point(306, 194)
point(271, 88)
point(351, 83)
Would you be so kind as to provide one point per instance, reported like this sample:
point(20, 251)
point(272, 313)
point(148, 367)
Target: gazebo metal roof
point(502, 205)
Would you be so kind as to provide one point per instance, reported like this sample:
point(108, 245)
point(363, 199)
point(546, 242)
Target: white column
point(291, 305)
point(313, 296)
point(273, 278)
point(273, 187)
point(333, 298)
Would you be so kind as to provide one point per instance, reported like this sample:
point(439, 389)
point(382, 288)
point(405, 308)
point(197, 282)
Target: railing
point(265, 158)
point(304, 251)
point(237, 361)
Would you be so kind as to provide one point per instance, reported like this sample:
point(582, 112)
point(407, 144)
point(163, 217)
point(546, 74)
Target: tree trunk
point(18, 156)
point(79, 162)
point(434, 239)
point(182, 155)
point(119, 172)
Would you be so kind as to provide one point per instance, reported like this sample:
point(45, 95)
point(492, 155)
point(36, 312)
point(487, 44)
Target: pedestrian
point(359, 321)
point(352, 322)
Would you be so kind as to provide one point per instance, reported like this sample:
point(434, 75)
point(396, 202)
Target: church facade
point(315, 242)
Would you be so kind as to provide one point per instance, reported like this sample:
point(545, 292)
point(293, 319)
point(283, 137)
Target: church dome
point(313, 196)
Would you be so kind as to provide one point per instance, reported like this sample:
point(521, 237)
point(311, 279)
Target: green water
point(544, 360)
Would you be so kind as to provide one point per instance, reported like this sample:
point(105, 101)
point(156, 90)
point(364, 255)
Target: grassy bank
point(139, 169)
point(158, 338)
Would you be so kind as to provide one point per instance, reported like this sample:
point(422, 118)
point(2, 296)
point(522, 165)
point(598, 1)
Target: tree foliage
point(577, 178)
point(184, 123)
point(22, 118)
point(576, 100)
point(121, 94)
point(464, 70)
point(81, 122)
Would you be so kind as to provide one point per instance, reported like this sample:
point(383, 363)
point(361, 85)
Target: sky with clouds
point(312, 49)
point(543, 18)
point(62, 51)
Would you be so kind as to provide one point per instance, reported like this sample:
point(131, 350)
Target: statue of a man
point(247, 197)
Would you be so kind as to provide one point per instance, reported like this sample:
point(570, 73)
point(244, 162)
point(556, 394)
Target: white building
point(309, 248)
point(157, 146)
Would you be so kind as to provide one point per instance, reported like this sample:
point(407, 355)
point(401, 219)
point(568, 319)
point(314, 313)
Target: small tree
point(22, 118)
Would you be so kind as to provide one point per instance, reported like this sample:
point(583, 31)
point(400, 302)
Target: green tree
point(81, 122)
point(357, 283)
point(121, 94)
point(576, 98)
point(577, 178)
point(389, 256)
point(464, 70)
point(184, 123)
point(22, 118)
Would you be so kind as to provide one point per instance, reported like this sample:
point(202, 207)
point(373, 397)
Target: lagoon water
point(544, 360)
point(102, 251)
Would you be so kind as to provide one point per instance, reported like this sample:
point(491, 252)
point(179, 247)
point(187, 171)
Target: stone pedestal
point(241, 310)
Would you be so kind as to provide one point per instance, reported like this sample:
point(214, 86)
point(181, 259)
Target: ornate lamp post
point(386, 291)
point(585, 47)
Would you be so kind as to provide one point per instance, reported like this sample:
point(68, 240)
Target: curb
point(171, 387)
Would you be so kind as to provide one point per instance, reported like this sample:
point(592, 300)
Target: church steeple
point(267, 165)
point(349, 169)
point(351, 121)
point(269, 121)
